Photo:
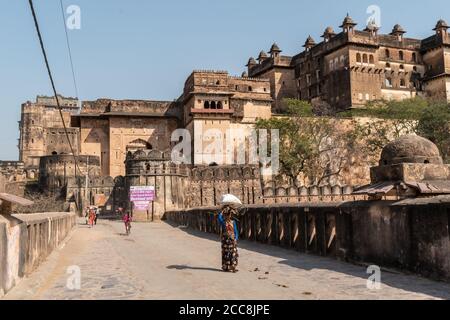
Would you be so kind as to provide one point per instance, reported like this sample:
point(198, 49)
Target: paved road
point(159, 261)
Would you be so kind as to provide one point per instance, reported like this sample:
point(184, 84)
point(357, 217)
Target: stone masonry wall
point(407, 235)
point(26, 240)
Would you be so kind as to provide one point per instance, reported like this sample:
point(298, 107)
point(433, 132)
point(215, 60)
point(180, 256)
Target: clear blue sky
point(145, 49)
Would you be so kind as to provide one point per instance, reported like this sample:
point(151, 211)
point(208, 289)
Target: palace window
point(308, 79)
point(358, 58)
point(213, 105)
point(219, 105)
point(206, 106)
point(388, 65)
point(250, 89)
point(365, 59)
point(371, 59)
point(387, 53)
point(402, 83)
point(401, 55)
point(389, 82)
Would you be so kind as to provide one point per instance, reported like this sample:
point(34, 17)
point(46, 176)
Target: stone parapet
point(405, 235)
point(26, 241)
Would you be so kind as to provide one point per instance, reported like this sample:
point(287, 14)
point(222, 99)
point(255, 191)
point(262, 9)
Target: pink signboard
point(141, 205)
point(142, 194)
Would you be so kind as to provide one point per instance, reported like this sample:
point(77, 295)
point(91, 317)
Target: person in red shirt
point(127, 221)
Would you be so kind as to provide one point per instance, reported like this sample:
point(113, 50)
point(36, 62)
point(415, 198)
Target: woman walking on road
point(91, 218)
point(229, 234)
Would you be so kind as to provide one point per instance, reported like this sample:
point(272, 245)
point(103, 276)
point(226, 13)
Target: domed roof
point(310, 42)
point(251, 61)
point(410, 149)
point(348, 21)
point(275, 48)
point(262, 55)
point(441, 24)
point(398, 30)
point(329, 31)
point(371, 26)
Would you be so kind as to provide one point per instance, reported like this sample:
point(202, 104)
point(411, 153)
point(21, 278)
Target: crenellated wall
point(26, 241)
point(410, 235)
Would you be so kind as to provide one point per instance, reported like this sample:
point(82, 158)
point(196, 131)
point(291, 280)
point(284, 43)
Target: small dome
point(348, 21)
point(262, 55)
point(441, 24)
point(274, 48)
point(328, 31)
point(371, 26)
point(244, 74)
point(251, 61)
point(309, 42)
point(410, 149)
point(398, 30)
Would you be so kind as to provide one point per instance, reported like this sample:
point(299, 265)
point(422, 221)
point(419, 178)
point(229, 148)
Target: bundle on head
point(229, 212)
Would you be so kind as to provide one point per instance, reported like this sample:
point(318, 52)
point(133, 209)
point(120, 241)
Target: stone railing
point(273, 194)
point(405, 235)
point(26, 240)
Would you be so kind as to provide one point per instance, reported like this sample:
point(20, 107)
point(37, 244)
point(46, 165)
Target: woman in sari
point(91, 217)
point(230, 236)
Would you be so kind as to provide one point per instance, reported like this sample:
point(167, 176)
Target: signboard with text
point(141, 196)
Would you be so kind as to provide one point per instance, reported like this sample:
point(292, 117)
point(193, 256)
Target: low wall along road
point(410, 235)
point(26, 240)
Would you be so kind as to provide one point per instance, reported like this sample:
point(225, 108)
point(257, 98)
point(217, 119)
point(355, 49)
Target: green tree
point(309, 145)
point(434, 124)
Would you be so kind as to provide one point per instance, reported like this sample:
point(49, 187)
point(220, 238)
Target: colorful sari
point(230, 237)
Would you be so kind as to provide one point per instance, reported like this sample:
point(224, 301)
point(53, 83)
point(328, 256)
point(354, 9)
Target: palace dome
point(410, 149)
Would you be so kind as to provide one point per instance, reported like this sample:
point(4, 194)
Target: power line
point(69, 49)
point(44, 53)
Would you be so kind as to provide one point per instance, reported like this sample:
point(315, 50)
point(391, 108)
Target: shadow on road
point(307, 262)
point(182, 267)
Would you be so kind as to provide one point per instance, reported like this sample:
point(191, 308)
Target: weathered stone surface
point(410, 149)
point(402, 235)
point(26, 240)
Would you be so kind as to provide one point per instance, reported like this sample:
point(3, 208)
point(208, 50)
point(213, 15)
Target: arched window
point(401, 55)
point(387, 53)
point(388, 65)
point(206, 105)
point(358, 58)
point(389, 82)
point(220, 105)
point(414, 57)
point(371, 59)
point(213, 105)
point(250, 89)
point(54, 153)
point(365, 59)
point(402, 83)
point(402, 67)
